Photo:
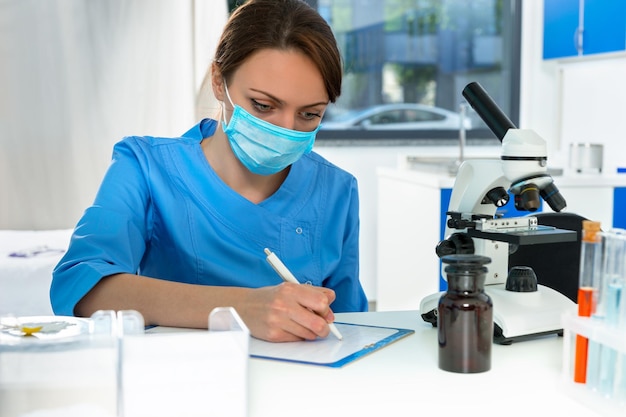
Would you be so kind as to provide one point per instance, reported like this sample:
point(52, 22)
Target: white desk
point(404, 379)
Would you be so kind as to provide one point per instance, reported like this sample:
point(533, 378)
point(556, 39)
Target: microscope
point(522, 309)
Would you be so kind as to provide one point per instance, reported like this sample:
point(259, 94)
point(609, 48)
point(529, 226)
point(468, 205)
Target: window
point(421, 53)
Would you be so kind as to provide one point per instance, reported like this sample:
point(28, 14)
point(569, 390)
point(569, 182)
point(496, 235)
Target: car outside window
point(387, 117)
point(412, 116)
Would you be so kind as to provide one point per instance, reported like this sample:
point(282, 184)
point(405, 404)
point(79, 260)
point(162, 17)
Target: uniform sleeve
point(110, 237)
point(344, 281)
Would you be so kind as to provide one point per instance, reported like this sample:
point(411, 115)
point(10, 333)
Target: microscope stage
point(538, 235)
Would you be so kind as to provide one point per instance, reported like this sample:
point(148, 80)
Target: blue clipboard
point(358, 341)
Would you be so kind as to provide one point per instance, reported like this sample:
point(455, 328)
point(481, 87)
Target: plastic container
point(108, 366)
point(65, 363)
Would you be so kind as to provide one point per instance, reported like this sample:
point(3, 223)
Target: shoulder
point(332, 171)
point(147, 144)
point(314, 175)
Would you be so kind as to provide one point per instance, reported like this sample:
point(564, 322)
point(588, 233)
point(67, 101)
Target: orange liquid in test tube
point(590, 262)
point(585, 307)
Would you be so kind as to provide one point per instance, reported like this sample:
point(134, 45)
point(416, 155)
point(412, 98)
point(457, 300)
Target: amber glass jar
point(465, 316)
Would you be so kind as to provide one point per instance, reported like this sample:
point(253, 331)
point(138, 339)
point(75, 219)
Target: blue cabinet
point(619, 207)
point(560, 29)
point(583, 27)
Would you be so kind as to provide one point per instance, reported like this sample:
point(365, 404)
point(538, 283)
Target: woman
point(179, 226)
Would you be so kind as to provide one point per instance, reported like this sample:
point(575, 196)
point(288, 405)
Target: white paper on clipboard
point(358, 341)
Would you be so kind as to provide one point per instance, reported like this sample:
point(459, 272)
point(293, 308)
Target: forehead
point(288, 75)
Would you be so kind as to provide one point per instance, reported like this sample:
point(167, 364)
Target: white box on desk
point(115, 369)
point(181, 373)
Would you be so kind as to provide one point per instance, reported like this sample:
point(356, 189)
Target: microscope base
point(516, 316)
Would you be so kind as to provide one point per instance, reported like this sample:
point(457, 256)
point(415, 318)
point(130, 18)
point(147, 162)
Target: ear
point(217, 82)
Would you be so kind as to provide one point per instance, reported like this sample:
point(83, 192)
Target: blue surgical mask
point(262, 147)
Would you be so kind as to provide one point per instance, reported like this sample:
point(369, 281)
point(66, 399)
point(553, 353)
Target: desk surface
point(526, 378)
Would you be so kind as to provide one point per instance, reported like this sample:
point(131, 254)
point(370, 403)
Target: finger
point(317, 299)
point(309, 324)
point(330, 317)
point(289, 316)
point(287, 330)
point(305, 310)
point(329, 293)
point(325, 311)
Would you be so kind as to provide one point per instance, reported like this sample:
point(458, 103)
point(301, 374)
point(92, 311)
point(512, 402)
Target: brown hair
point(280, 24)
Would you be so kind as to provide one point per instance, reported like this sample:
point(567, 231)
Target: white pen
point(287, 276)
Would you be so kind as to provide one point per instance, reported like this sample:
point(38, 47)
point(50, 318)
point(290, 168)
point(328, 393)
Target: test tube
point(589, 276)
point(620, 378)
point(608, 307)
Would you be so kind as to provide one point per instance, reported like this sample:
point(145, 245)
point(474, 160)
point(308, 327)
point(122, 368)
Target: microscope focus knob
point(521, 279)
point(457, 243)
point(498, 196)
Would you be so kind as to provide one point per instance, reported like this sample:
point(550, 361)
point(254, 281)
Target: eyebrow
point(323, 103)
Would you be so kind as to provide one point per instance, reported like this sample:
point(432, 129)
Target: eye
point(263, 108)
point(310, 115)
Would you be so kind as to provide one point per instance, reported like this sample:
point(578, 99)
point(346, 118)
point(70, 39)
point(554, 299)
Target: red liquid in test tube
point(590, 270)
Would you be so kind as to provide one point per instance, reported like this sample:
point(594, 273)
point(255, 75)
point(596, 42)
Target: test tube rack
point(605, 335)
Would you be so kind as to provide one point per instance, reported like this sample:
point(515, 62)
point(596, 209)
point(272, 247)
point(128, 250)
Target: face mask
point(262, 147)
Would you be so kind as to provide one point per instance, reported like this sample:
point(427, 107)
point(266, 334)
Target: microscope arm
point(474, 181)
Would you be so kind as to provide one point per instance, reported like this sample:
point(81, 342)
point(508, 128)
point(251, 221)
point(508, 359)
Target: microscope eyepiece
point(487, 109)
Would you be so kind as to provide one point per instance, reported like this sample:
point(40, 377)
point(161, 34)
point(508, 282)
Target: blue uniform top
point(161, 211)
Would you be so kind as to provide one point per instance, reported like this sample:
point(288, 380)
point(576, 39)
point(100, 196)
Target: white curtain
point(78, 75)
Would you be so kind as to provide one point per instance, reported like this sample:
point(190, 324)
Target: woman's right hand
point(288, 312)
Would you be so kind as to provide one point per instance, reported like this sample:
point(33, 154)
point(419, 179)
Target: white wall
point(574, 100)
point(564, 102)
point(75, 77)
point(362, 163)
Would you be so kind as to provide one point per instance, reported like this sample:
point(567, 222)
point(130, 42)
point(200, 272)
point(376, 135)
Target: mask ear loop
point(224, 104)
point(228, 94)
